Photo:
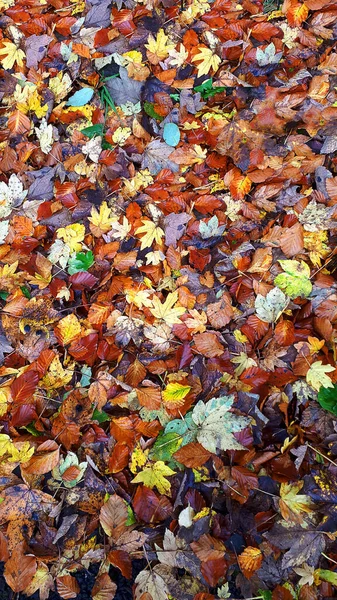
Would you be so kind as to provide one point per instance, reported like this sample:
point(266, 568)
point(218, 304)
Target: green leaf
point(81, 262)
point(207, 90)
point(4, 295)
point(166, 444)
point(100, 416)
point(93, 130)
point(295, 281)
point(26, 292)
point(327, 398)
point(325, 575)
point(149, 109)
point(265, 594)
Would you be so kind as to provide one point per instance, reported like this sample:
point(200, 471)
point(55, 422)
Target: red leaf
point(24, 386)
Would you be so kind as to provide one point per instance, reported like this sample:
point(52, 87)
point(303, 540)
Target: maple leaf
point(152, 233)
point(44, 134)
point(158, 48)
point(155, 476)
point(243, 362)
point(207, 60)
point(21, 452)
point(165, 311)
point(216, 424)
point(101, 221)
point(270, 307)
point(72, 235)
point(12, 55)
point(317, 375)
point(293, 505)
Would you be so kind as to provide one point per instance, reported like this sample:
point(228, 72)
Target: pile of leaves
point(168, 337)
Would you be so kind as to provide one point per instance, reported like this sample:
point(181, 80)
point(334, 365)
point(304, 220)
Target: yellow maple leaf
point(165, 311)
point(293, 504)
point(155, 476)
point(139, 298)
point(12, 55)
point(72, 235)
point(243, 362)
point(152, 233)
point(21, 452)
point(68, 329)
point(207, 60)
point(101, 221)
point(158, 48)
point(317, 375)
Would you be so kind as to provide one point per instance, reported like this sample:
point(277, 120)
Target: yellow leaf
point(315, 345)
point(317, 377)
point(5, 395)
point(5, 443)
point(240, 337)
point(154, 476)
point(101, 221)
point(72, 235)
point(166, 312)
point(57, 376)
point(12, 55)
point(138, 459)
point(243, 362)
point(21, 452)
point(174, 394)
point(293, 504)
point(139, 298)
point(207, 60)
point(158, 48)
point(68, 329)
point(121, 135)
point(152, 233)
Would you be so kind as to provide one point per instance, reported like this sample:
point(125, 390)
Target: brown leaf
point(67, 587)
point(192, 455)
point(113, 516)
point(104, 588)
point(208, 345)
point(20, 569)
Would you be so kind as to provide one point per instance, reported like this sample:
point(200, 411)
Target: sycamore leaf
point(294, 506)
point(12, 55)
point(158, 47)
point(44, 133)
point(165, 311)
point(80, 262)
point(295, 281)
point(155, 476)
point(152, 233)
point(174, 394)
point(270, 307)
point(317, 375)
point(244, 362)
point(207, 60)
point(217, 425)
point(72, 235)
point(21, 453)
point(101, 221)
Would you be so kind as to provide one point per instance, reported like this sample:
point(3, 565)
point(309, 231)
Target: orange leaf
point(250, 560)
point(150, 397)
point(20, 569)
point(192, 455)
point(208, 345)
point(18, 123)
point(208, 548)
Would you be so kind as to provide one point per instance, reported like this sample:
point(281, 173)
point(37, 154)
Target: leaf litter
point(168, 381)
